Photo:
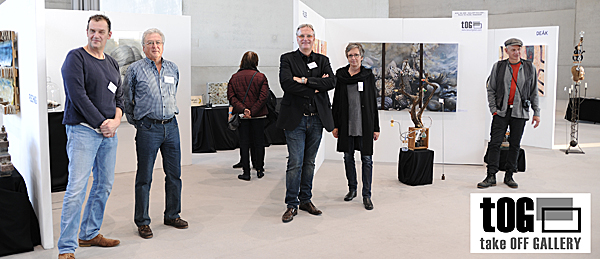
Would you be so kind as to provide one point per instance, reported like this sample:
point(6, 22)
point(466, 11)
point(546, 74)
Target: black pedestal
point(415, 167)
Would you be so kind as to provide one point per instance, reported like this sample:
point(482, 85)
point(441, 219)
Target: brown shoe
point(99, 240)
point(289, 215)
point(310, 208)
point(66, 256)
point(145, 231)
point(177, 223)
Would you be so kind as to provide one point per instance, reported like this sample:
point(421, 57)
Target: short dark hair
point(249, 60)
point(358, 46)
point(97, 18)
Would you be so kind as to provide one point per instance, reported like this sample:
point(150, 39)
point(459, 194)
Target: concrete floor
point(230, 218)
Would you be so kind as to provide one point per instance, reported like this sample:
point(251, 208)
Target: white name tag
point(360, 86)
point(169, 80)
point(112, 87)
point(312, 65)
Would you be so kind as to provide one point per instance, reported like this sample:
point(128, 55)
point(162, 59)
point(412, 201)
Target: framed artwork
point(217, 93)
point(398, 65)
point(9, 80)
point(125, 47)
point(537, 55)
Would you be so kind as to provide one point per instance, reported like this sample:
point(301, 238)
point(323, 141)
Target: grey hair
point(305, 25)
point(353, 46)
point(151, 31)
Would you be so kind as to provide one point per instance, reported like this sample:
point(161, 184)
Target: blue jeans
point(367, 172)
point(87, 151)
point(149, 139)
point(302, 143)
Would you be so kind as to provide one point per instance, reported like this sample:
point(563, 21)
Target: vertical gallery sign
point(530, 223)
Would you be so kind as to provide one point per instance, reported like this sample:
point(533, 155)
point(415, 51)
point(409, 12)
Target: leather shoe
point(245, 177)
point(99, 240)
point(367, 202)
point(238, 165)
point(350, 195)
point(66, 256)
point(177, 223)
point(310, 208)
point(289, 215)
point(260, 173)
point(145, 231)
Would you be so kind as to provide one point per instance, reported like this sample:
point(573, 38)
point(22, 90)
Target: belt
point(310, 114)
point(158, 121)
point(510, 106)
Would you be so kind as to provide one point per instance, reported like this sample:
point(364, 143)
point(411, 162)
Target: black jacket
point(296, 96)
point(368, 100)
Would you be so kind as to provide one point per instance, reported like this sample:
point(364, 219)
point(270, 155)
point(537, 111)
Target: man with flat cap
point(512, 91)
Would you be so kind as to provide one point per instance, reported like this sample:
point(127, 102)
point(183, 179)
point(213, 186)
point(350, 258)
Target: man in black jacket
point(305, 78)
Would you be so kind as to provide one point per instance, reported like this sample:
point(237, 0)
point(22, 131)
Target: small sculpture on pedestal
point(6, 166)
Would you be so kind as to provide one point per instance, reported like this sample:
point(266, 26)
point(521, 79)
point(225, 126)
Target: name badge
point(112, 87)
point(312, 65)
point(169, 80)
point(360, 86)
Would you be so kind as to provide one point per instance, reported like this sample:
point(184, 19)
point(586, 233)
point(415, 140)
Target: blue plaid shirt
point(148, 93)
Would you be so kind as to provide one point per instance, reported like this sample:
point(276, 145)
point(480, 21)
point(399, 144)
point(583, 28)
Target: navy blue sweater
point(88, 97)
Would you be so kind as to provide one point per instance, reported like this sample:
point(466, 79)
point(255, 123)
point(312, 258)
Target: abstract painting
point(440, 64)
point(537, 55)
point(217, 93)
point(125, 47)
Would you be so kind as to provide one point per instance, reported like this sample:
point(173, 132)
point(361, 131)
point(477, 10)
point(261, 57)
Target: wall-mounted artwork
point(9, 76)
point(320, 46)
point(537, 55)
point(402, 60)
point(125, 47)
point(217, 93)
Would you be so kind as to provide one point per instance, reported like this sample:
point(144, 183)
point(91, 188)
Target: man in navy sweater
point(93, 110)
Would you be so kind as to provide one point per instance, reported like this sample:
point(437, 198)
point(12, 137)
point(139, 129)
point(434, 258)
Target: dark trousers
point(350, 166)
point(499, 126)
point(252, 134)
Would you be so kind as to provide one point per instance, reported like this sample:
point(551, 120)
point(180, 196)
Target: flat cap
point(513, 42)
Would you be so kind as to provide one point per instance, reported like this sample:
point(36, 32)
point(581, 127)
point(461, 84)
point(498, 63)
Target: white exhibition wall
point(463, 130)
point(28, 130)
point(543, 135)
point(69, 32)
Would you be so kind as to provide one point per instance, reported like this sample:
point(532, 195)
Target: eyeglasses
point(354, 56)
point(302, 36)
point(150, 43)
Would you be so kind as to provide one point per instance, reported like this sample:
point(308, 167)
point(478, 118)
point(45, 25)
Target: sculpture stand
point(418, 138)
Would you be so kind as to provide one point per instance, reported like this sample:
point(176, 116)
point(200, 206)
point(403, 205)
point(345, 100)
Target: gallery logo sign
point(530, 223)
point(471, 25)
point(541, 33)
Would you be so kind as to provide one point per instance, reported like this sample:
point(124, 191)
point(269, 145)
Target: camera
point(526, 104)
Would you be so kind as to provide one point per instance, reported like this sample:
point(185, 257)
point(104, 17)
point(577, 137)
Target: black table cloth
point(19, 227)
point(59, 161)
point(588, 109)
point(415, 167)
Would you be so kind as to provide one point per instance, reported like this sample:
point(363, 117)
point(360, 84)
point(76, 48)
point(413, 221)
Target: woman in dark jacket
point(356, 120)
point(252, 109)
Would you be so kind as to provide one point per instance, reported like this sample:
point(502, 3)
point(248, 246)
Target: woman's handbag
point(234, 121)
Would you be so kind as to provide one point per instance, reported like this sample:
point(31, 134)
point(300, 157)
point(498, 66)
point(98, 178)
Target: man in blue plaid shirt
point(150, 86)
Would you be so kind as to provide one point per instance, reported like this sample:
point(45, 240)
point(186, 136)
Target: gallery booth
point(458, 137)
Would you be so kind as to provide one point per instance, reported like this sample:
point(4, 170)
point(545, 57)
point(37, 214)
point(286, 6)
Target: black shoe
point(310, 208)
point(350, 195)
point(490, 180)
point(145, 231)
point(368, 203)
point(245, 177)
point(177, 223)
point(260, 173)
point(289, 215)
point(508, 180)
point(238, 165)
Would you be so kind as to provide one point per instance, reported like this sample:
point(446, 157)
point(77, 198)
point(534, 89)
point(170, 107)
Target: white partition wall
point(450, 132)
point(28, 130)
point(69, 32)
point(542, 136)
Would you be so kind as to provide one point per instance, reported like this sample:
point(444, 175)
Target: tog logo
point(530, 223)
point(471, 25)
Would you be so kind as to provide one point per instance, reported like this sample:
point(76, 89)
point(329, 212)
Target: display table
point(59, 161)
point(210, 132)
point(588, 109)
point(19, 227)
point(502, 163)
point(415, 167)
